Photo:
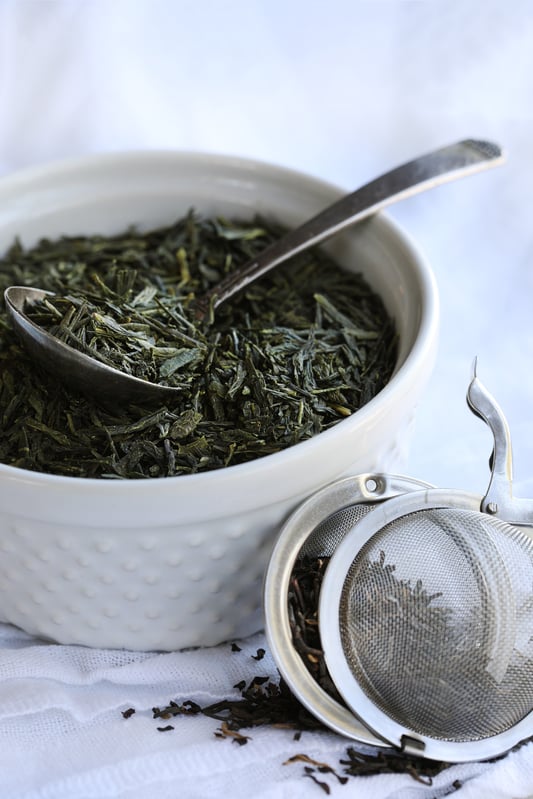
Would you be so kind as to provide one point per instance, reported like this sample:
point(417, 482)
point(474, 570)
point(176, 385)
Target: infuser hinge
point(412, 746)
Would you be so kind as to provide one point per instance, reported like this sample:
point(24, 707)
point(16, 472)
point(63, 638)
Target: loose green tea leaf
point(297, 352)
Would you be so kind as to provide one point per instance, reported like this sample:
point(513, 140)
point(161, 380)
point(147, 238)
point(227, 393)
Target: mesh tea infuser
point(425, 611)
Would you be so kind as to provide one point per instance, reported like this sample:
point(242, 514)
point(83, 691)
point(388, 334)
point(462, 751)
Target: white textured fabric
point(342, 90)
point(63, 734)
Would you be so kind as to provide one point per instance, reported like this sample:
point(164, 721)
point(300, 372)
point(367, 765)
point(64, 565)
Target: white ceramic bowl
point(179, 561)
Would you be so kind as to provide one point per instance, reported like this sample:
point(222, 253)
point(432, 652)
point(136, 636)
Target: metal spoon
point(85, 373)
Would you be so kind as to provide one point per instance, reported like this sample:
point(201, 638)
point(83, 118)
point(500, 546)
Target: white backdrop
point(342, 90)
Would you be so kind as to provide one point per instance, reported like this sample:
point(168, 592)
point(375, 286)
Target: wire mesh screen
point(436, 621)
point(327, 535)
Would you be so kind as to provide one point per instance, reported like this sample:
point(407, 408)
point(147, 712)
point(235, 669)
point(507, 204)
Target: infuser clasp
point(498, 500)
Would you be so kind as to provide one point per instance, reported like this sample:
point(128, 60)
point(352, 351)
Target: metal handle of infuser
point(498, 500)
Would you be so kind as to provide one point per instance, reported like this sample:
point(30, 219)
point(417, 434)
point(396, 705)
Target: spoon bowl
point(76, 369)
point(91, 376)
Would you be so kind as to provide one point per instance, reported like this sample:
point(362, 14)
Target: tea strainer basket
point(424, 609)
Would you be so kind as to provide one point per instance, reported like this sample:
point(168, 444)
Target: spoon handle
point(430, 170)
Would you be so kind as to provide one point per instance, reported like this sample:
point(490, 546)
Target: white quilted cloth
point(342, 90)
point(63, 734)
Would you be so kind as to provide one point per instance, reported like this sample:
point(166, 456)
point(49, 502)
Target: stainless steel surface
point(91, 376)
point(309, 531)
point(499, 560)
point(72, 367)
point(425, 609)
point(499, 500)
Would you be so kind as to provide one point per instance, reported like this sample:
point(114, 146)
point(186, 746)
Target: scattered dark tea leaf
point(322, 768)
point(263, 702)
point(297, 352)
point(266, 702)
point(128, 713)
point(309, 772)
point(224, 731)
point(235, 648)
point(187, 708)
point(391, 761)
point(259, 655)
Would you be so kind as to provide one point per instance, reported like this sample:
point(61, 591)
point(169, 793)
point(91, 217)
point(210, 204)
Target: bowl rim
point(423, 345)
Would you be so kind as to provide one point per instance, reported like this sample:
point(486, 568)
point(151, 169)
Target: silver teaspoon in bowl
point(86, 374)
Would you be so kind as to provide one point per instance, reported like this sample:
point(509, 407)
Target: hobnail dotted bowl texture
point(168, 563)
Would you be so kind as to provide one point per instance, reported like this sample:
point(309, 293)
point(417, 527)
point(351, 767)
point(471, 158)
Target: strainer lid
point(317, 527)
point(425, 618)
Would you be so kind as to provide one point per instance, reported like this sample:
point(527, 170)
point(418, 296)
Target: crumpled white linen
point(342, 91)
point(63, 735)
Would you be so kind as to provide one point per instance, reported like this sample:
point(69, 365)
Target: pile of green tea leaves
point(295, 353)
